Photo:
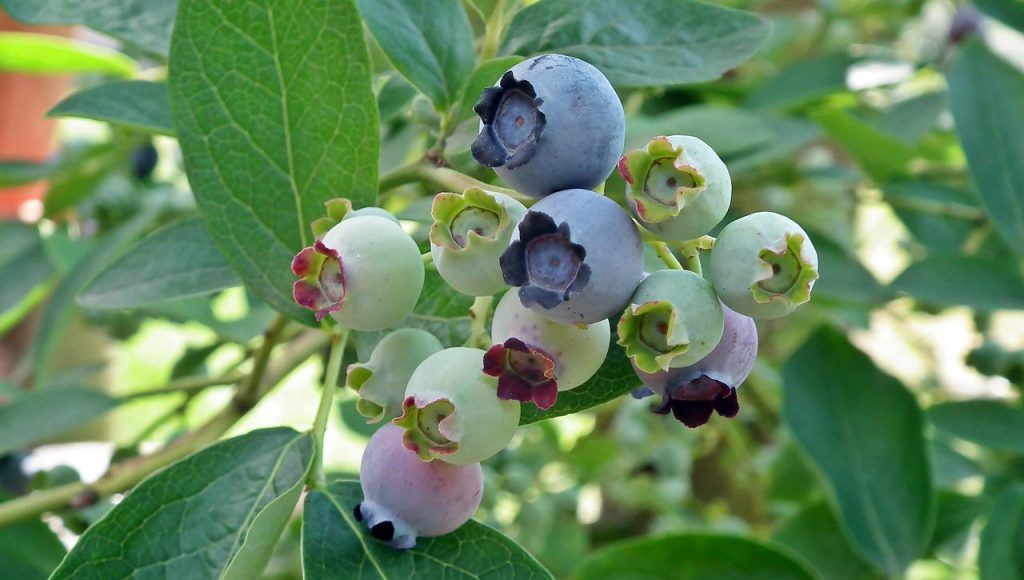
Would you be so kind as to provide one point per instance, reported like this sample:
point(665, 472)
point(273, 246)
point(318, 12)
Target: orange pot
point(25, 133)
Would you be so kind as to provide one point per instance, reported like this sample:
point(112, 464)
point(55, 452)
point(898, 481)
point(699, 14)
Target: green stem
point(427, 257)
point(938, 208)
point(338, 342)
point(666, 255)
point(690, 251)
point(478, 335)
point(492, 36)
point(442, 178)
point(188, 385)
point(126, 474)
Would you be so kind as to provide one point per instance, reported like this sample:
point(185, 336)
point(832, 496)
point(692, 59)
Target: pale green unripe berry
point(763, 265)
point(452, 411)
point(381, 381)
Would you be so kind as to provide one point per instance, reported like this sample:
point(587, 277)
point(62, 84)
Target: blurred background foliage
point(881, 432)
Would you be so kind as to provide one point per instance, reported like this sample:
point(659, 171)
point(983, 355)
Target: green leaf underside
point(143, 24)
point(863, 431)
point(1010, 12)
point(1002, 541)
point(692, 556)
point(48, 54)
point(62, 306)
point(614, 379)
point(940, 234)
point(177, 261)
point(642, 43)
point(275, 112)
point(814, 534)
point(986, 96)
point(993, 424)
point(139, 105)
point(226, 504)
point(37, 415)
point(29, 550)
point(962, 280)
point(879, 154)
point(430, 43)
point(805, 80)
point(334, 545)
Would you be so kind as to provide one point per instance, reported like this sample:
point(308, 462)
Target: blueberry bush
point(517, 289)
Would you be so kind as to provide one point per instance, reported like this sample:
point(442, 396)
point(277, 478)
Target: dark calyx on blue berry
point(692, 402)
point(544, 262)
point(513, 123)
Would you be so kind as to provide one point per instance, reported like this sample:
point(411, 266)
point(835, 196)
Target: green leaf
point(43, 413)
point(803, 81)
point(992, 424)
point(844, 278)
point(393, 97)
point(215, 514)
point(79, 174)
point(335, 546)
point(955, 514)
point(912, 119)
point(62, 306)
point(1002, 541)
point(614, 379)
point(47, 54)
point(647, 43)
point(987, 95)
point(430, 43)
point(814, 534)
point(14, 173)
point(275, 112)
point(29, 550)
point(176, 261)
point(691, 556)
point(863, 430)
point(139, 105)
point(962, 280)
point(940, 234)
point(25, 272)
point(1010, 12)
point(880, 155)
point(731, 132)
point(144, 24)
point(441, 311)
point(484, 76)
point(199, 310)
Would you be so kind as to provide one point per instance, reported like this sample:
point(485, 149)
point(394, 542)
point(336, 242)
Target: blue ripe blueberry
point(405, 498)
point(469, 233)
point(381, 381)
point(534, 358)
point(674, 320)
point(452, 411)
point(763, 265)
point(364, 271)
point(576, 257)
point(552, 122)
point(144, 160)
point(677, 186)
point(691, 393)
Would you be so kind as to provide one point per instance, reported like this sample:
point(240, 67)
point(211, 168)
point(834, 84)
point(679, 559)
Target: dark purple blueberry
point(552, 122)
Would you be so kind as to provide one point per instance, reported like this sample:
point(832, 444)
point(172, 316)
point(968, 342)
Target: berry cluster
point(553, 128)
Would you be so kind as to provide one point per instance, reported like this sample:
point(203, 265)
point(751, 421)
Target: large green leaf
point(730, 131)
point(962, 280)
point(993, 424)
point(987, 96)
point(614, 379)
point(62, 306)
point(43, 413)
point(692, 556)
point(844, 278)
point(177, 261)
point(25, 272)
point(216, 514)
point(143, 24)
point(1002, 541)
point(644, 43)
point(430, 43)
point(863, 430)
point(815, 535)
point(275, 112)
point(47, 54)
point(914, 202)
point(335, 546)
point(139, 105)
point(29, 550)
